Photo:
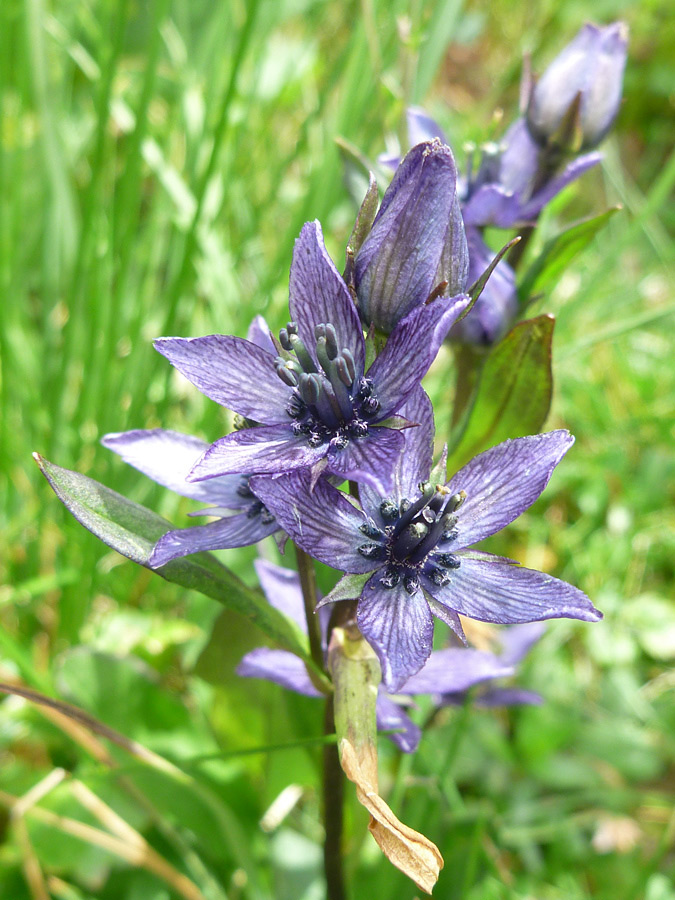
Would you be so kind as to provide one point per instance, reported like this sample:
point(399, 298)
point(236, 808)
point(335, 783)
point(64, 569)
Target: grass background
point(157, 160)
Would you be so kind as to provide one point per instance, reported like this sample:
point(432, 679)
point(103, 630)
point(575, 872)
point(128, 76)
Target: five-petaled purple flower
point(449, 673)
point(312, 401)
point(409, 546)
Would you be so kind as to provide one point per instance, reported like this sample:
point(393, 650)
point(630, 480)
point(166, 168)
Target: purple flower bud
point(496, 307)
point(417, 240)
point(575, 102)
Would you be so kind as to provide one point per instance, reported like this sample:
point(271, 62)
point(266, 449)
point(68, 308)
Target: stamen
point(447, 560)
point(455, 501)
point(370, 530)
point(371, 551)
point(411, 583)
point(390, 578)
point(388, 510)
point(438, 576)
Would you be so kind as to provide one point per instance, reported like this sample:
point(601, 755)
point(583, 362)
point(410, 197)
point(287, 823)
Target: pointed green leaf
point(557, 254)
point(349, 587)
point(514, 389)
point(133, 530)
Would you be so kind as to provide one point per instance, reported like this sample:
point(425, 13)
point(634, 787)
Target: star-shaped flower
point(451, 671)
point(410, 546)
point(313, 402)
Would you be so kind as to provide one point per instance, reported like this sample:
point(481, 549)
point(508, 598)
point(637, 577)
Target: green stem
point(309, 596)
point(333, 794)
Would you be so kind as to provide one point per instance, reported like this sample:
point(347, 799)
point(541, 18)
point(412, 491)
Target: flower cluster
point(320, 403)
point(569, 109)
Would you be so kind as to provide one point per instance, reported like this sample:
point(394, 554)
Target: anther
point(371, 551)
point(447, 560)
point(390, 578)
point(388, 510)
point(455, 501)
point(370, 530)
point(438, 576)
point(411, 584)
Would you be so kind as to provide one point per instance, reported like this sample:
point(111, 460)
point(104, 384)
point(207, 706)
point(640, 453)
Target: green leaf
point(513, 394)
point(557, 254)
point(133, 530)
point(349, 587)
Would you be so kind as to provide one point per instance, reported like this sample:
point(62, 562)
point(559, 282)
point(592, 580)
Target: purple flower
point(575, 102)
point(410, 546)
point(167, 457)
point(510, 186)
point(449, 671)
point(497, 305)
point(516, 642)
point(416, 242)
point(315, 404)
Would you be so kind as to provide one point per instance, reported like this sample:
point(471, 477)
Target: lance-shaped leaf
point(513, 395)
point(133, 530)
point(356, 676)
point(557, 254)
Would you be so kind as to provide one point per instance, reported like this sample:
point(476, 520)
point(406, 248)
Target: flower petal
point(370, 459)
point(399, 627)
point(517, 641)
point(280, 667)
point(491, 590)
point(323, 522)
point(233, 372)
point(504, 481)
point(570, 173)
point(167, 457)
point(390, 716)
point(455, 669)
point(282, 588)
point(318, 295)
point(259, 334)
point(234, 531)
point(410, 350)
point(414, 463)
point(509, 696)
point(268, 449)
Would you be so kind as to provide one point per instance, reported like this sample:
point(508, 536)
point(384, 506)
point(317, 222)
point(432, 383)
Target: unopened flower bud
point(575, 102)
point(417, 240)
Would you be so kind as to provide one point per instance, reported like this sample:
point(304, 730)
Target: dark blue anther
point(358, 428)
point(370, 406)
point(266, 516)
point(339, 442)
point(438, 576)
point(365, 388)
point(390, 578)
point(450, 535)
point(447, 560)
point(370, 530)
point(243, 489)
point(388, 510)
point(411, 583)
point(371, 551)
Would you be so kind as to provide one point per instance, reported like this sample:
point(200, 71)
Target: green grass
point(157, 161)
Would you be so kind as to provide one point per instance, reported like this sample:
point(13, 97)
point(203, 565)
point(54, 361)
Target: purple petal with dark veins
point(233, 372)
point(499, 592)
point(259, 334)
point(517, 641)
point(449, 616)
point(280, 667)
point(399, 627)
point(282, 589)
point(504, 481)
point(370, 459)
point(390, 716)
point(519, 161)
point(323, 522)
point(455, 669)
point(167, 457)
point(410, 350)
point(318, 295)
point(234, 531)
point(268, 449)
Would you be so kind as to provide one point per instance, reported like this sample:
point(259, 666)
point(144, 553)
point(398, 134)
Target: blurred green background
point(157, 161)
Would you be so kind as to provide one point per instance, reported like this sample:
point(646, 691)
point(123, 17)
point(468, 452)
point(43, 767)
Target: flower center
point(332, 402)
point(413, 538)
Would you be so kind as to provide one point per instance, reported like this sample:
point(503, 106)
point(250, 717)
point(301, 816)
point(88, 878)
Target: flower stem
point(309, 596)
point(333, 791)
